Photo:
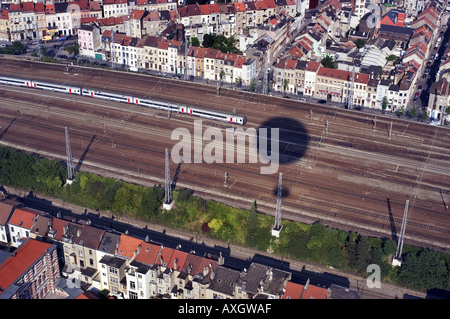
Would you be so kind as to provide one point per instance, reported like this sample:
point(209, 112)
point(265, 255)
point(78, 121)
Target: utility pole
point(350, 92)
point(390, 132)
point(397, 261)
point(444, 107)
point(70, 169)
point(168, 202)
point(186, 49)
point(277, 226)
point(266, 74)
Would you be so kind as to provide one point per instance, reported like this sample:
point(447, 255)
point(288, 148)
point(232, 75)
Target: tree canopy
point(328, 62)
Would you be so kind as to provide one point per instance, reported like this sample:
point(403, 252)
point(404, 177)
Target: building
point(261, 281)
point(225, 284)
point(90, 41)
point(439, 101)
point(112, 275)
point(20, 224)
point(30, 272)
point(7, 207)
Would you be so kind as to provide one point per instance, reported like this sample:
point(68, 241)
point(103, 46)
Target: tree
point(392, 58)
point(360, 43)
point(384, 104)
point(238, 81)
point(195, 41)
point(328, 62)
point(285, 84)
point(424, 270)
point(363, 256)
point(73, 49)
point(389, 247)
point(184, 194)
point(252, 85)
point(252, 226)
point(208, 40)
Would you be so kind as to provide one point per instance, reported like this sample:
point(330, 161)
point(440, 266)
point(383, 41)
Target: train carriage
point(156, 104)
point(219, 116)
point(15, 81)
point(184, 109)
point(107, 95)
point(56, 87)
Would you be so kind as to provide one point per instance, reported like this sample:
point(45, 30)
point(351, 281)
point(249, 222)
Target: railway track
point(344, 177)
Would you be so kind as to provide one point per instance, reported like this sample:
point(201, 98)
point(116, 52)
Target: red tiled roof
point(196, 265)
point(27, 254)
point(239, 62)
point(312, 66)
point(137, 14)
point(270, 4)
point(88, 20)
point(205, 9)
point(4, 14)
point(293, 291)
point(107, 33)
point(128, 245)
point(27, 6)
point(23, 217)
point(313, 292)
point(148, 253)
point(178, 259)
point(58, 225)
point(49, 8)
point(342, 75)
point(39, 7)
point(164, 256)
point(239, 6)
point(14, 7)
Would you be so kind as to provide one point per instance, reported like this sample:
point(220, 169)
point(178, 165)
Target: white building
point(89, 40)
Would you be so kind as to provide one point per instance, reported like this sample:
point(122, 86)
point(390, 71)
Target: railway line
point(352, 177)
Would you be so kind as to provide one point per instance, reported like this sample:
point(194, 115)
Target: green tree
point(424, 270)
point(389, 247)
point(195, 41)
point(285, 85)
point(384, 104)
point(252, 85)
point(363, 256)
point(360, 43)
point(328, 62)
point(392, 58)
point(208, 40)
point(184, 194)
point(73, 49)
point(238, 81)
point(252, 226)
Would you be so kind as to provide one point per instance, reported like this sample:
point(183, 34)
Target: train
point(123, 98)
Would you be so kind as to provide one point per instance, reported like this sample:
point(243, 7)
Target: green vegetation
point(16, 48)
point(73, 49)
point(328, 62)
point(422, 269)
point(220, 42)
point(360, 43)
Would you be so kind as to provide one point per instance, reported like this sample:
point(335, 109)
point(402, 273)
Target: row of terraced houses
point(57, 257)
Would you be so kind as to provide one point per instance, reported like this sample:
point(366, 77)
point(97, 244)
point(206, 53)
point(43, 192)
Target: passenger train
point(169, 107)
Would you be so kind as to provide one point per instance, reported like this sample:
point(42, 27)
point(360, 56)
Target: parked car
point(302, 99)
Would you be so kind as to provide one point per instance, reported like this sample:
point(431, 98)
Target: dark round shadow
point(292, 142)
point(284, 191)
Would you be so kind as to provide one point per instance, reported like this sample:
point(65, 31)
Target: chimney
point(79, 232)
